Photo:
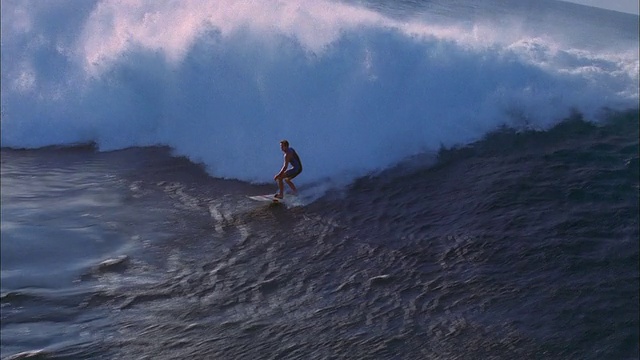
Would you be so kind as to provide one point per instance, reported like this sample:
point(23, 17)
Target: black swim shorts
point(291, 173)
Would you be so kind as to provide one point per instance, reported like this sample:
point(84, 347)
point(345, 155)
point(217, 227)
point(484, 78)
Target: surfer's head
point(284, 144)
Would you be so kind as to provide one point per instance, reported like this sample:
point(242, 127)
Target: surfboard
point(289, 199)
point(267, 198)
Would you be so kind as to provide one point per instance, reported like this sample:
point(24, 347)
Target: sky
point(628, 6)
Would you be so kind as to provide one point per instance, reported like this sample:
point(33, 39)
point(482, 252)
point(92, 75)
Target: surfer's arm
point(284, 166)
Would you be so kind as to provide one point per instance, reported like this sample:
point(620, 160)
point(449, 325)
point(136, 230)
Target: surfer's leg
point(293, 187)
point(280, 194)
point(288, 176)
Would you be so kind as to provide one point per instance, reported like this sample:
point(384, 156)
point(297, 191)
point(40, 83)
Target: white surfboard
point(266, 198)
point(289, 200)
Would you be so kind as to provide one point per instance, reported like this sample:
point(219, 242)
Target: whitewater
point(354, 90)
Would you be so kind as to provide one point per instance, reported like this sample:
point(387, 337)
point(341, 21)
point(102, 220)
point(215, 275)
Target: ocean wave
point(354, 91)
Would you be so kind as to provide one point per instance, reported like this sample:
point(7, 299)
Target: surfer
point(290, 157)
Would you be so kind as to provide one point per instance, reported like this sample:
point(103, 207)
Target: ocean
point(470, 185)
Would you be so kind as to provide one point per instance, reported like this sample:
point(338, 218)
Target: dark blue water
point(523, 244)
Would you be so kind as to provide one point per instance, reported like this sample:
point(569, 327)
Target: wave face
point(354, 88)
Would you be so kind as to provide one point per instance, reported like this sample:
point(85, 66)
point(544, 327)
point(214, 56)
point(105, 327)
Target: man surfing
point(290, 157)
